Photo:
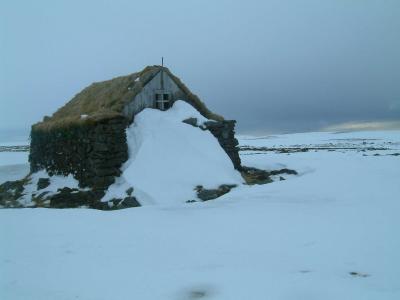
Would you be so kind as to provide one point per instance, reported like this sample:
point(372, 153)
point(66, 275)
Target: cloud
point(358, 126)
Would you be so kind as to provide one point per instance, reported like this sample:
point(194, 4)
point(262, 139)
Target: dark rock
point(255, 176)
point(210, 194)
point(191, 121)
point(358, 274)
point(101, 147)
point(70, 198)
point(114, 204)
point(283, 171)
point(129, 191)
point(10, 192)
point(103, 172)
point(43, 183)
point(129, 202)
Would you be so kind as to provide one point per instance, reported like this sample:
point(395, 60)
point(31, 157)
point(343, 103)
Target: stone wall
point(224, 131)
point(92, 152)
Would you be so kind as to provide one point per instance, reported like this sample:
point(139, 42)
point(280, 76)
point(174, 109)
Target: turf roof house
point(87, 138)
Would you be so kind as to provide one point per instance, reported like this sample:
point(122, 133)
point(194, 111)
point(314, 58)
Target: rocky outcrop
point(92, 152)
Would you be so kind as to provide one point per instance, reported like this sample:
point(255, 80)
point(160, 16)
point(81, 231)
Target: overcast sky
point(274, 66)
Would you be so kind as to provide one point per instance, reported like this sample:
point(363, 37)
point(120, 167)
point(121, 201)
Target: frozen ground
point(329, 233)
point(13, 164)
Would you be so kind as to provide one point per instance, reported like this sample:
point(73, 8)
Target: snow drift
point(169, 158)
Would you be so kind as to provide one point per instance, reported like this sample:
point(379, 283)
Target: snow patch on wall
point(56, 182)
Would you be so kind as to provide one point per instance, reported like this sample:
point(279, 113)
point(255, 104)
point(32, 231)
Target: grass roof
point(106, 99)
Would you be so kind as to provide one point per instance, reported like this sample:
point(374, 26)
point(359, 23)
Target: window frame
point(163, 100)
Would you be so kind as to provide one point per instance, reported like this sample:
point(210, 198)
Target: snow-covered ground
point(329, 233)
point(13, 165)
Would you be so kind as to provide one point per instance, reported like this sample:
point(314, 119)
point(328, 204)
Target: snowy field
point(13, 164)
point(329, 233)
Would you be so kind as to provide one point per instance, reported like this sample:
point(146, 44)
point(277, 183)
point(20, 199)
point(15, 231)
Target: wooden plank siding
point(146, 98)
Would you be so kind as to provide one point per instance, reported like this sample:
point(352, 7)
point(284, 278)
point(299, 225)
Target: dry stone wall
point(93, 153)
point(224, 131)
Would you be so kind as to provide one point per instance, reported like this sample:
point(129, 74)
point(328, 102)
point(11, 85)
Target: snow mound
point(169, 158)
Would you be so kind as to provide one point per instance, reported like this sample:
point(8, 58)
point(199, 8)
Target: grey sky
point(273, 65)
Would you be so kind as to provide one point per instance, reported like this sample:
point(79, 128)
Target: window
point(158, 104)
point(162, 100)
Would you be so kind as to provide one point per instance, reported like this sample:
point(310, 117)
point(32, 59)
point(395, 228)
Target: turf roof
point(106, 99)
